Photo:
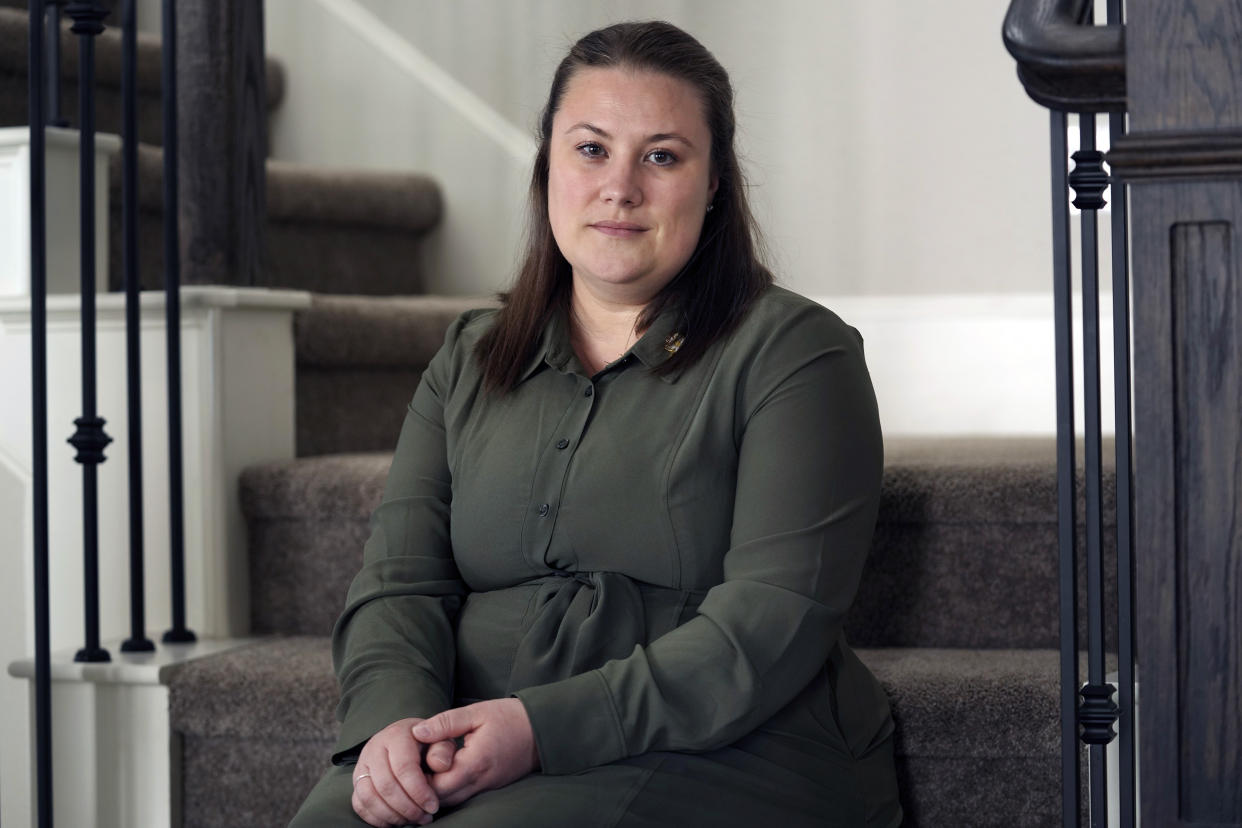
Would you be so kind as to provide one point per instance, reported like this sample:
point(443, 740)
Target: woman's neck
point(601, 330)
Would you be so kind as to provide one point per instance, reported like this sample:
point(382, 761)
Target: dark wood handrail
point(1063, 62)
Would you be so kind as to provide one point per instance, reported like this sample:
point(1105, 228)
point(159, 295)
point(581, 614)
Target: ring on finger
point(360, 777)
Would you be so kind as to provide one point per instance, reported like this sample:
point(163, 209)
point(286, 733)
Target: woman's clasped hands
point(414, 767)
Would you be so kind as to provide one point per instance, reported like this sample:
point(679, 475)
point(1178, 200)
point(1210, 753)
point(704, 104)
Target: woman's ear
point(712, 186)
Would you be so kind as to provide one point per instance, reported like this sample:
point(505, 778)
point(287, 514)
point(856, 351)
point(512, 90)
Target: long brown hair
point(723, 275)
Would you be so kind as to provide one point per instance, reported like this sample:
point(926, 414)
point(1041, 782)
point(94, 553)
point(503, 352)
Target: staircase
point(957, 614)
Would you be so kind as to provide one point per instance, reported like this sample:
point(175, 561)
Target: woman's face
point(629, 180)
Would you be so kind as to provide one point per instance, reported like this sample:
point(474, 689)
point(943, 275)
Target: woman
point(627, 511)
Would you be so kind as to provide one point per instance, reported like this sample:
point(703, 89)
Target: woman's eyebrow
point(659, 136)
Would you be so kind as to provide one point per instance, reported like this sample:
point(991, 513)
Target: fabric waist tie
point(577, 622)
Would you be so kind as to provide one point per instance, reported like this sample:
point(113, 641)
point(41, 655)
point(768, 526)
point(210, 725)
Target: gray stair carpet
point(14, 78)
point(956, 616)
point(329, 229)
point(255, 730)
point(978, 738)
point(966, 532)
point(359, 359)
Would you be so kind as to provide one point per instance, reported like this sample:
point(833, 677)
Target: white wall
point(890, 146)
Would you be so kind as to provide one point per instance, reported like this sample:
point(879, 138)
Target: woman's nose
point(621, 186)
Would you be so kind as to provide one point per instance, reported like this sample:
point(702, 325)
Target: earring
point(710, 207)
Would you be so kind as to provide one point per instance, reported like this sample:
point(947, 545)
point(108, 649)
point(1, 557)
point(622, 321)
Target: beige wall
point(890, 146)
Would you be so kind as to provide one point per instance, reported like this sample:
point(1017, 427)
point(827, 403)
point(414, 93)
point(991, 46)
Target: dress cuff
point(375, 706)
point(575, 722)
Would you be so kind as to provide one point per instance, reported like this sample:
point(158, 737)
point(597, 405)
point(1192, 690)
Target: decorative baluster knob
point(90, 439)
point(1089, 179)
point(88, 17)
point(1097, 714)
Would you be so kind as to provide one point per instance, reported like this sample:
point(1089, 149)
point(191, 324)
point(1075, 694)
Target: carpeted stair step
point(977, 732)
point(255, 729)
point(329, 230)
point(307, 521)
point(14, 75)
point(359, 359)
point(965, 546)
point(964, 554)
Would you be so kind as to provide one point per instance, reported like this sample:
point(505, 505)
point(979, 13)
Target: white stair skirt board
point(971, 364)
point(238, 410)
point(116, 761)
point(63, 218)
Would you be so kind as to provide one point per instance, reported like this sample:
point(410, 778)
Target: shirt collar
point(553, 348)
point(665, 336)
point(653, 349)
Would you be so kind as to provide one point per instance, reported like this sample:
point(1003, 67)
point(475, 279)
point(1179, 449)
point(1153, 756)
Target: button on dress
point(657, 566)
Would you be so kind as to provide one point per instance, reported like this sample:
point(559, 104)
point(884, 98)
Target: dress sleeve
point(808, 481)
point(393, 646)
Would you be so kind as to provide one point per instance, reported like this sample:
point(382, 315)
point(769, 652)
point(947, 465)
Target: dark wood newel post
point(1183, 162)
point(222, 123)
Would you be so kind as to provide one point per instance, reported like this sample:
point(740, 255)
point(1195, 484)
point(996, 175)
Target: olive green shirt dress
point(657, 566)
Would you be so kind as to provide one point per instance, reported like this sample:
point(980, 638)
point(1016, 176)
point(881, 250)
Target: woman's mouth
point(619, 229)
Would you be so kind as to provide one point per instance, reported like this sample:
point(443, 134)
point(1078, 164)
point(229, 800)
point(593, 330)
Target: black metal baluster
point(89, 439)
point(179, 634)
point(1126, 768)
point(54, 117)
point(1066, 485)
point(1097, 712)
point(38, 443)
point(1127, 771)
point(137, 641)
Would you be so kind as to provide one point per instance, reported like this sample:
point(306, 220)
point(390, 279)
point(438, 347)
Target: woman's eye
point(591, 150)
point(661, 158)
